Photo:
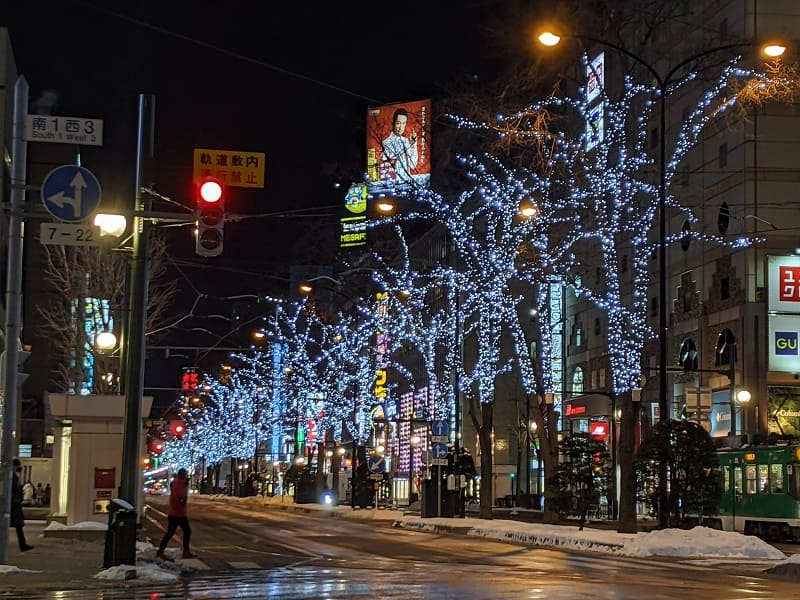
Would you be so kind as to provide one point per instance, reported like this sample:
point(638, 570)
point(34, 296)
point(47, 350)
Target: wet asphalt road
point(247, 552)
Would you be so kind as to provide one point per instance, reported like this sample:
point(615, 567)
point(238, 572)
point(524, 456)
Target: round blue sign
point(71, 193)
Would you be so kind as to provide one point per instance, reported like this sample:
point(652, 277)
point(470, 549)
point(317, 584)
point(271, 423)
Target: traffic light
point(210, 213)
point(157, 447)
point(22, 355)
point(178, 429)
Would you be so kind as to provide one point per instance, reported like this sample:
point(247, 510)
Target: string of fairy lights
point(589, 208)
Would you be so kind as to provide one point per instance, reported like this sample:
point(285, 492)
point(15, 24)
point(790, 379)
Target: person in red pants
point(176, 515)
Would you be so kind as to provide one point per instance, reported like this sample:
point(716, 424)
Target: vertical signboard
point(398, 146)
point(353, 226)
point(595, 78)
point(595, 118)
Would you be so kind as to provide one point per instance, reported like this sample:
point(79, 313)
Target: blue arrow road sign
point(440, 427)
point(439, 450)
point(376, 464)
point(71, 193)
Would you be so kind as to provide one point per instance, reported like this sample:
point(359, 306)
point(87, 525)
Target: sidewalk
point(54, 563)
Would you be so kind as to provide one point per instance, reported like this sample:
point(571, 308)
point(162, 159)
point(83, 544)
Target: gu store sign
point(783, 274)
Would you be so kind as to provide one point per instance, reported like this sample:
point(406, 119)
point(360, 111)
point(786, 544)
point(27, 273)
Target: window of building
point(654, 138)
point(687, 355)
point(598, 275)
point(686, 238)
point(653, 306)
point(723, 156)
point(725, 288)
point(623, 263)
point(726, 343)
point(597, 326)
point(577, 381)
point(724, 218)
point(601, 384)
point(578, 336)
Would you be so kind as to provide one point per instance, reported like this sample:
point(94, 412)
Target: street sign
point(376, 464)
point(71, 193)
point(234, 168)
point(64, 130)
point(439, 453)
point(69, 234)
point(440, 427)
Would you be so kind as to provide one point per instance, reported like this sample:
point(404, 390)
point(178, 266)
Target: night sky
point(292, 80)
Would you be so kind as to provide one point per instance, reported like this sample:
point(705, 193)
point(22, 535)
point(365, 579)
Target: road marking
point(244, 564)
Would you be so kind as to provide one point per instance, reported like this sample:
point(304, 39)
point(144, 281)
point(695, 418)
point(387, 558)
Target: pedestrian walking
point(17, 518)
point(177, 515)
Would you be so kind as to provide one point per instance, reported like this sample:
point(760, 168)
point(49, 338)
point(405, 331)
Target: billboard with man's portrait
point(399, 146)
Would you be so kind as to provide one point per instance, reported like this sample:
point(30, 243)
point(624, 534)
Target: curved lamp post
point(772, 50)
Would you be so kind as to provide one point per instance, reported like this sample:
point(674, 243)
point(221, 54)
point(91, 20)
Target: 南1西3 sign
point(71, 193)
point(64, 130)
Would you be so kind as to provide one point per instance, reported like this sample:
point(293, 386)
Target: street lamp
point(772, 50)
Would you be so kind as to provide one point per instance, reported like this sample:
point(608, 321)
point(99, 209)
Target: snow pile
point(12, 569)
point(145, 573)
point(700, 541)
point(85, 525)
point(697, 542)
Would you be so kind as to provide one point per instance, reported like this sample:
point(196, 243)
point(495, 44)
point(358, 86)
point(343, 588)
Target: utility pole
point(134, 369)
point(13, 323)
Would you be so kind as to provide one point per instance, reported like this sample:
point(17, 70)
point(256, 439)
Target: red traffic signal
point(210, 190)
point(157, 447)
point(210, 213)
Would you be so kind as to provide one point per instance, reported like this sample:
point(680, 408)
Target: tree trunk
point(320, 480)
point(336, 465)
point(487, 474)
point(548, 443)
point(627, 480)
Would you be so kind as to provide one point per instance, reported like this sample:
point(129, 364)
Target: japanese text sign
point(784, 284)
point(235, 168)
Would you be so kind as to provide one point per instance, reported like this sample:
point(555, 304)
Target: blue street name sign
point(376, 464)
point(71, 193)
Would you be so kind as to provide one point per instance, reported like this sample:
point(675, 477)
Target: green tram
point(761, 491)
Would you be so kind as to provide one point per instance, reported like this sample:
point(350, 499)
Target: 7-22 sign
point(70, 234)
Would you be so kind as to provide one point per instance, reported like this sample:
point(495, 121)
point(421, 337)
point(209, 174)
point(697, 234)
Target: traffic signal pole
point(134, 369)
point(13, 322)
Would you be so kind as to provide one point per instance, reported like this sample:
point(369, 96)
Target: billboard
point(784, 331)
point(353, 226)
point(399, 146)
point(784, 283)
point(595, 78)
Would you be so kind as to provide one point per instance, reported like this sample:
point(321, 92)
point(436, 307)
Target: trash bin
point(120, 548)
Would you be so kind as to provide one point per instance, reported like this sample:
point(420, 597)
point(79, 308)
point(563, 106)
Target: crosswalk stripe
point(244, 564)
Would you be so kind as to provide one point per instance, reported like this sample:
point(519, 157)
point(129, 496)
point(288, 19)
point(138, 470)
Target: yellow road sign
point(235, 168)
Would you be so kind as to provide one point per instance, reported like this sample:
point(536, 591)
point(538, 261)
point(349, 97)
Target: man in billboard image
point(399, 150)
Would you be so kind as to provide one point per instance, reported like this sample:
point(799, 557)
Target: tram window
point(763, 479)
point(726, 481)
point(737, 481)
point(776, 478)
point(750, 478)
